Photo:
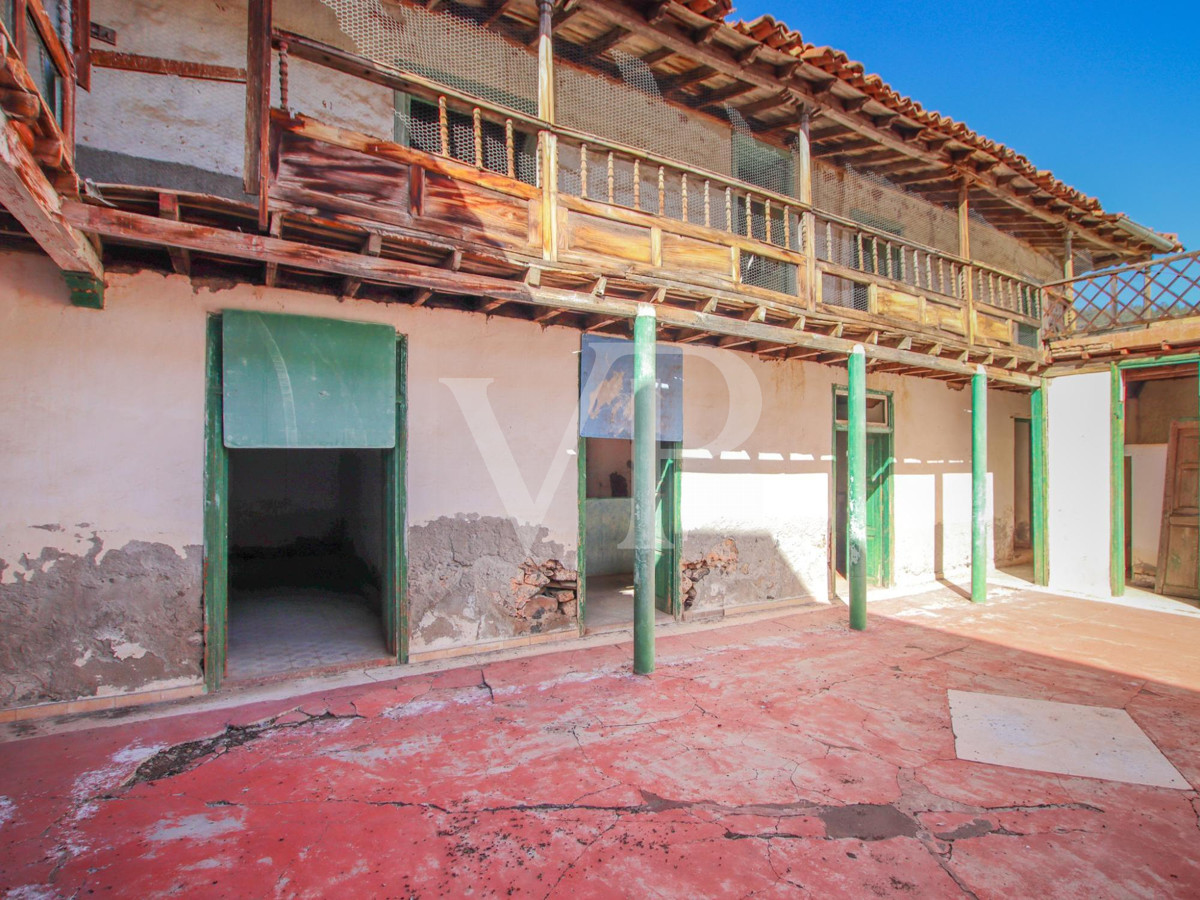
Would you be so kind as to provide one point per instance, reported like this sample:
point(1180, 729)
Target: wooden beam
point(372, 247)
point(606, 41)
point(181, 260)
point(139, 228)
point(258, 96)
point(276, 230)
point(154, 65)
point(28, 195)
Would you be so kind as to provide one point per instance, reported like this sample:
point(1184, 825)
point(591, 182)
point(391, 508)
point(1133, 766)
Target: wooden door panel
point(1179, 541)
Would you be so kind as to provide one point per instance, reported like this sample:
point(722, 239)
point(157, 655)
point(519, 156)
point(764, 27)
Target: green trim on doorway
point(979, 447)
point(672, 538)
point(396, 500)
point(216, 514)
point(1178, 359)
point(886, 526)
point(581, 552)
point(1038, 485)
point(1116, 552)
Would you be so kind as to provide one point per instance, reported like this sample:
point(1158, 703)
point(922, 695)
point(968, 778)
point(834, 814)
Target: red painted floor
point(783, 757)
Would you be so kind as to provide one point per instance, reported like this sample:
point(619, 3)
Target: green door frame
point(216, 516)
point(1116, 554)
point(670, 455)
point(885, 527)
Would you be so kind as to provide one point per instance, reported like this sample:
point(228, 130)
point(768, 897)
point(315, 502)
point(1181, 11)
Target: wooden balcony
point(509, 189)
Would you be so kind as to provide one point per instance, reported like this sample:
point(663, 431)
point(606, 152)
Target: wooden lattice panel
point(1125, 297)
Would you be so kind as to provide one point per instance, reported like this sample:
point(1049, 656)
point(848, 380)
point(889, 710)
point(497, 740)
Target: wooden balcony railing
point(1125, 297)
point(520, 186)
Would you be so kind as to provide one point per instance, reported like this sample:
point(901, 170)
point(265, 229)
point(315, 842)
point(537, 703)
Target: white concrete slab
point(1063, 738)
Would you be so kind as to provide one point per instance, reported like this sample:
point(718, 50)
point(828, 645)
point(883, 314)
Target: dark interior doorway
point(307, 559)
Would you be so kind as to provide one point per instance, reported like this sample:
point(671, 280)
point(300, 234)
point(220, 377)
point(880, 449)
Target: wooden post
point(856, 488)
point(548, 141)
point(258, 93)
point(979, 486)
point(546, 61)
point(964, 250)
point(1116, 556)
point(1037, 438)
point(645, 443)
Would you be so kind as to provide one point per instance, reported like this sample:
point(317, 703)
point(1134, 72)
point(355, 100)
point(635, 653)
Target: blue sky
point(1105, 95)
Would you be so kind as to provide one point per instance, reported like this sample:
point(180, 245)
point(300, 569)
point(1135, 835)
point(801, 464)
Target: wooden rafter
point(139, 228)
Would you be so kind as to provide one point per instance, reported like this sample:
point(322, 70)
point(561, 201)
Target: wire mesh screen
point(445, 47)
point(129, 118)
point(877, 203)
point(993, 247)
point(616, 95)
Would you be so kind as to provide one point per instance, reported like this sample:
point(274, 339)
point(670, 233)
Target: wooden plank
point(614, 240)
point(181, 260)
point(154, 65)
point(689, 255)
point(221, 242)
point(258, 94)
point(338, 179)
point(28, 195)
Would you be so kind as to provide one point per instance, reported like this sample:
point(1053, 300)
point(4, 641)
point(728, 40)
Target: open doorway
point(1161, 502)
point(880, 465)
point(608, 545)
point(307, 560)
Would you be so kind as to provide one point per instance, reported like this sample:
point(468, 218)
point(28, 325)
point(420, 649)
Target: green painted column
point(1037, 440)
point(856, 488)
point(979, 486)
point(1116, 555)
point(645, 426)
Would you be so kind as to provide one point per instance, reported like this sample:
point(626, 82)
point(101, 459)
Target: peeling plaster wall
point(104, 443)
point(1078, 515)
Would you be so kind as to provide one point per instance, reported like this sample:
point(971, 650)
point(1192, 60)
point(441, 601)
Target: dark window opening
point(418, 126)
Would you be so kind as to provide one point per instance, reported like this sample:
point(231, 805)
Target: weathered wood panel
point(497, 219)
point(611, 239)
point(947, 318)
point(338, 180)
point(898, 305)
point(686, 255)
point(992, 328)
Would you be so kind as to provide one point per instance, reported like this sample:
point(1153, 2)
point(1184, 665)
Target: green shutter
point(297, 381)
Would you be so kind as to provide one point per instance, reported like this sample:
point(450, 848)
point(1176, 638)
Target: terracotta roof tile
point(777, 36)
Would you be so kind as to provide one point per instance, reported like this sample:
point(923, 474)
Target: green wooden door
point(879, 470)
point(666, 527)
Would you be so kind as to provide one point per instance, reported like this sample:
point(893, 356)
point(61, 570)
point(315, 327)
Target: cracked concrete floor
point(780, 757)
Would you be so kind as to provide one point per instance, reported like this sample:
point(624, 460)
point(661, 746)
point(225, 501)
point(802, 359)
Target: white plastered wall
point(1078, 409)
point(201, 123)
point(105, 417)
point(770, 475)
point(756, 463)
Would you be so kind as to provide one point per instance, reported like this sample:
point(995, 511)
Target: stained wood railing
point(1125, 297)
point(608, 203)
